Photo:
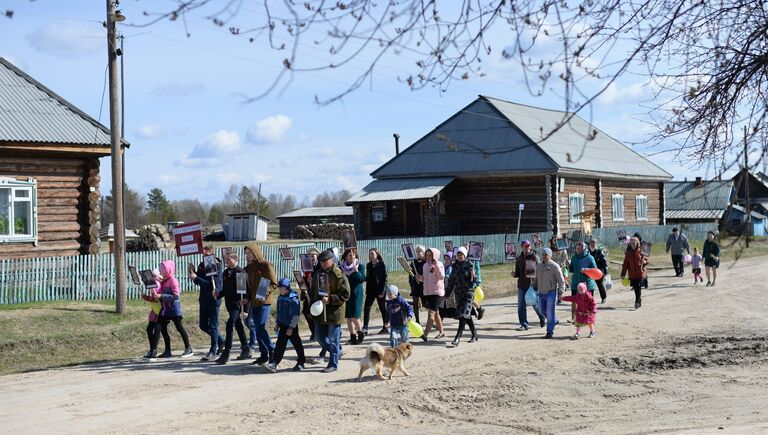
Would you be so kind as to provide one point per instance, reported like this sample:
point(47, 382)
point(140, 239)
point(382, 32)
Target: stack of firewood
point(321, 231)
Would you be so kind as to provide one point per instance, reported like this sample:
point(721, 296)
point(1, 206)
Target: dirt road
point(691, 360)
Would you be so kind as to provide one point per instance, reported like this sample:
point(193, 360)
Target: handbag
point(607, 283)
point(531, 296)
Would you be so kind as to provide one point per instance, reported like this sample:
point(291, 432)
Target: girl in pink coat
point(586, 309)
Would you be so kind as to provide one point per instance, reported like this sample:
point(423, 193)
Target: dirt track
point(692, 360)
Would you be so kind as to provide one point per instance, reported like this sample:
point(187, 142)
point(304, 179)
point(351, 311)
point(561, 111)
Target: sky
point(192, 134)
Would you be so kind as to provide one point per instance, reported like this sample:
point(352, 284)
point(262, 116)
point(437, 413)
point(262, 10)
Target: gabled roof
point(685, 195)
point(318, 212)
point(32, 113)
point(492, 136)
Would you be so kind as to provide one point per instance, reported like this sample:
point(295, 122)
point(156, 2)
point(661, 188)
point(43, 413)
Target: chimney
point(698, 182)
point(397, 144)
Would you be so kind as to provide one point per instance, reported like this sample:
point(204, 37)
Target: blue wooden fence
point(90, 277)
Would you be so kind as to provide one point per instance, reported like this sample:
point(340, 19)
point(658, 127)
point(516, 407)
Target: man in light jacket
point(678, 244)
point(549, 279)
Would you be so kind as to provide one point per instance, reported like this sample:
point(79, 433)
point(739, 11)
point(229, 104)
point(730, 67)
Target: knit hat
point(462, 250)
point(313, 250)
point(393, 290)
point(547, 251)
point(525, 242)
point(448, 254)
point(285, 282)
point(582, 286)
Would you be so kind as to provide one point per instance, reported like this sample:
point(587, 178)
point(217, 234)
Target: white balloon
point(317, 308)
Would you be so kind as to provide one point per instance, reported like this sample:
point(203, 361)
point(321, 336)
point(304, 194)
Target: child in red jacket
point(586, 309)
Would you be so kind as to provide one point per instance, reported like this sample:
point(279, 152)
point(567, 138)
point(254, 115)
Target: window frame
point(571, 215)
point(15, 186)
point(614, 198)
point(638, 199)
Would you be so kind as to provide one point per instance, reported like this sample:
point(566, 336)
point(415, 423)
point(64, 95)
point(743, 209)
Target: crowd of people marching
point(445, 285)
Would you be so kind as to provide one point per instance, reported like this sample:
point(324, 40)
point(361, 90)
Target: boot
point(360, 337)
point(223, 358)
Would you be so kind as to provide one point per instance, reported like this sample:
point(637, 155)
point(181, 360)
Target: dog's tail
point(375, 352)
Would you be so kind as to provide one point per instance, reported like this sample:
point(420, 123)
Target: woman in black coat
point(375, 285)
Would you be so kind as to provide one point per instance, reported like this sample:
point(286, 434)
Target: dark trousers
point(636, 283)
point(416, 307)
point(282, 341)
point(677, 262)
point(369, 299)
point(152, 327)
point(236, 323)
point(601, 288)
point(164, 330)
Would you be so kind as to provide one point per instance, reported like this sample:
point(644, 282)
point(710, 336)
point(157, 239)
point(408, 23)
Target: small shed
point(313, 215)
point(241, 227)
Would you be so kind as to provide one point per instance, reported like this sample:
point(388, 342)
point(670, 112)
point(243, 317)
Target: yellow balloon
point(625, 282)
point(414, 329)
point(479, 294)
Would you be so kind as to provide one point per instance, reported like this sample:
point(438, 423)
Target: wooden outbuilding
point(49, 170)
point(472, 172)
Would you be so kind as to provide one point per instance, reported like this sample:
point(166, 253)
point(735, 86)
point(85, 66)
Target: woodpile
point(321, 231)
point(152, 237)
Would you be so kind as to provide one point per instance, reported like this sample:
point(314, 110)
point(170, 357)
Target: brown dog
point(377, 357)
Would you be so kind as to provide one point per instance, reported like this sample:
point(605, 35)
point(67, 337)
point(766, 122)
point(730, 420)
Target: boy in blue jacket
point(209, 303)
point(400, 313)
point(288, 311)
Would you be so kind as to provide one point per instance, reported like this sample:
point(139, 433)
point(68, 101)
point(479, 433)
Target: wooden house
point(49, 170)
point(698, 201)
point(471, 173)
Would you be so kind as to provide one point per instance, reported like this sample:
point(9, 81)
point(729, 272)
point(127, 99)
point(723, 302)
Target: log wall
point(630, 190)
point(67, 209)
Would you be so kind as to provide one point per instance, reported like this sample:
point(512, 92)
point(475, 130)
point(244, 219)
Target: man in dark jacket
point(524, 279)
point(602, 264)
point(329, 285)
point(677, 243)
point(232, 302)
point(209, 302)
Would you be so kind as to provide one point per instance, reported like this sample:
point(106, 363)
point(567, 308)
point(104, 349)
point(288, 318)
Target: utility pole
point(121, 295)
point(747, 209)
point(258, 211)
point(122, 113)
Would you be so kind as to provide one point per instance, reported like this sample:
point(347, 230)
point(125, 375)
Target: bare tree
point(705, 60)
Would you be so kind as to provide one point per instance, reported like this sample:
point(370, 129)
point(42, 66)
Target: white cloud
point(68, 39)
point(346, 183)
point(218, 143)
point(270, 130)
point(193, 162)
point(151, 131)
point(171, 179)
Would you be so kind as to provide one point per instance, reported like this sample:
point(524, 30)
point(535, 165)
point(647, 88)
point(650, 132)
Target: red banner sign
point(188, 238)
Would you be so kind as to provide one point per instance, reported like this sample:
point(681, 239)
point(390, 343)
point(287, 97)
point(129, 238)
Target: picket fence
point(91, 277)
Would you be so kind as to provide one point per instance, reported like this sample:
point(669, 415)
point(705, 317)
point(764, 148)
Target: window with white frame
point(641, 207)
point(617, 207)
point(575, 206)
point(18, 211)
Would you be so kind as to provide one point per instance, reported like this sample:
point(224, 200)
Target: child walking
point(400, 313)
point(288, 311)
point(696, 265)
point(170, 310)
point(234, 308)
point(586, 309)
point(152, 324)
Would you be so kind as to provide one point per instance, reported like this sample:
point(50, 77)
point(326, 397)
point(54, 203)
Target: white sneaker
point(576, 336)
point(272, 367)
point(187, 353)
point(591, 334)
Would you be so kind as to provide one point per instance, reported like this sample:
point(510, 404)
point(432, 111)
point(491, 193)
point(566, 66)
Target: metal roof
point(754, 213)
point(496, 136)
point(685, 195)
point(318, 212)
point(694, 214)
point(400, 188)
point(30, 112)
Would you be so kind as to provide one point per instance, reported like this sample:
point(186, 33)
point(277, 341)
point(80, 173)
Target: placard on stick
point(349, 239)
point(241, 279)
point(408, 251)
point(134, 275)
point(261, 291)
point(306, 263)
point(510, 251)
point(475, 251)
point(405, 265)
point(188, 239)
point(300, 281)
point(286, 254)
point(148, 278)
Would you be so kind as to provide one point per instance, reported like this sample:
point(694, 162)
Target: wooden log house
point(472, 172)
point(49, 171)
